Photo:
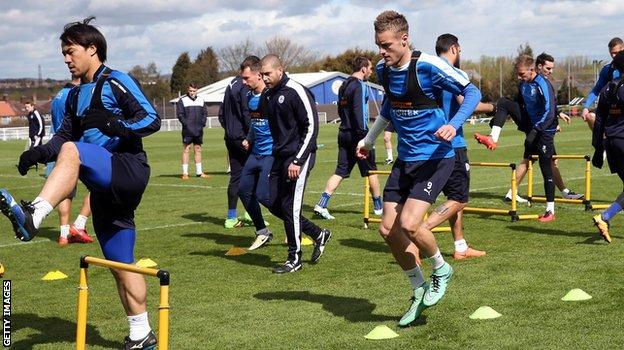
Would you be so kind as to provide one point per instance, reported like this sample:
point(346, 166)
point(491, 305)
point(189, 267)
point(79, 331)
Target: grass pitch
point(235, 302)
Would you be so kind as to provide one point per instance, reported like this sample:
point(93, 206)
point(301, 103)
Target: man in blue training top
point(234, 118)
point(608, 135)
point(607, 74)
point(457, 187)
point(254, 183)
point(291, 111)
point(99, 143)
point(77, 232)
point(191, 112)
point(353, 113)
point(413, 81)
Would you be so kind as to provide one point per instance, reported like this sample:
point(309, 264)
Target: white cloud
point(142, 31)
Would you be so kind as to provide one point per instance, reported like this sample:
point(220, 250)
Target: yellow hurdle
point(586, 201)
point(83, 298)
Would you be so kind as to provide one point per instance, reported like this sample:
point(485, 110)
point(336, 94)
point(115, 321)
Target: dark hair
point(615, 41)
point(445, 42)
point(542, 58)
point(391, 20)
point(192, 85)
point(85, 35)
point(359, 62)
point(618, 61)
point(252, 62)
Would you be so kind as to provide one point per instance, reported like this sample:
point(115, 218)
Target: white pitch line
point(43, 240)
point(188, 186)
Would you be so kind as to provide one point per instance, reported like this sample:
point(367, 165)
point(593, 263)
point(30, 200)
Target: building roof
point(214, 92)
point(6, 110)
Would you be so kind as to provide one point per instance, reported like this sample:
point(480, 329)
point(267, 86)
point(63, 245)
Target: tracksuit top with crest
point(539, 102)
point(413, 104)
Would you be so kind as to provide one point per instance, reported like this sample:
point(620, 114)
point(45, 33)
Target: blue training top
point(539, 103)
point(416, 128)
point(58, 106)
point(450, 107)
point(607, 74)
point(260, 133)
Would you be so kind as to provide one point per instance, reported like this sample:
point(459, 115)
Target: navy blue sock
point(611, 211)
point(324, 200)
point(377, 203)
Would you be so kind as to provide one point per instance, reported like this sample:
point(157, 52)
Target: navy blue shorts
point(421, 180)
point(544, 146)
point(458, 184)
point(116, 182)
point(347, 143)
point(615, 156)
point(194, 139)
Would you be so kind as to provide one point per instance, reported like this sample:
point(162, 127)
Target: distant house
point(324, 86)
point(13, 113)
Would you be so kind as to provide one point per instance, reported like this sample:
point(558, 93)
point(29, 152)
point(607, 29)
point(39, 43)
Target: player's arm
point(304, 113)
point(204, 113)
point(603, 79)
point(549, 113)
point(359, 109)
point(40, 125)
point(244, 108)
point(138, 119)
point(222, 107)
point(380, 124)
point(481, 106)
point(181, 112)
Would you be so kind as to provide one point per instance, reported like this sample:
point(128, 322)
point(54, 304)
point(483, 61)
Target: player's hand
point(361, 151)
point(246, 145)
point(493, 111)
point(530, 138)
point(597, 159)
point(565, 117)
point(558, 129)
point(585, 114)
point(28, 159)
point(108, 123)
point(293, 171)
point(446, 132)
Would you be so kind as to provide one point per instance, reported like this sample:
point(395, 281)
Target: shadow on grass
point(204, 217)
point(591, 235)
point(51, 330)
point(220, 238)
point(351, 309)
point(49, 233)
point(375, 247)
point(252, 259)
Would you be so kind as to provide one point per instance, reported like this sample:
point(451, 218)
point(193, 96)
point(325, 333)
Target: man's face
point(29, 107)
point(271, 75)
point(191, 92)
point(525, 74)
point(392, 46)
point(251, 79)
point(77, 58)
point(546, 69)
point(614, 50)
point(368, 71)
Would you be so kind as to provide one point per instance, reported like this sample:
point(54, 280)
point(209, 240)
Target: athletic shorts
point(193, 139)
point(421, 180)
point(615, 156)
point(347, 143)
point(116, 182)
point(458, 184)
point(544, 145)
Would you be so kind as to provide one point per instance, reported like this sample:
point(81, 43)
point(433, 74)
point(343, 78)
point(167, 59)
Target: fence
point(21, 133)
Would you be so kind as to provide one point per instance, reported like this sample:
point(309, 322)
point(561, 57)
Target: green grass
point(220, 302)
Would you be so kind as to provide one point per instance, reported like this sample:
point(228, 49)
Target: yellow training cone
point(306, 241)
point(576, 295)
point(381, 332)
point(54, 275)
point(147, 262)
point(484, 313)
point(235, 251)
point(1, 270)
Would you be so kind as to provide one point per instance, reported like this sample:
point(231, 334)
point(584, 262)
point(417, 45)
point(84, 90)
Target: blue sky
point(140, 31)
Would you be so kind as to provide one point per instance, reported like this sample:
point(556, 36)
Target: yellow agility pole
point(83, 298)
point(586, 201)
point(513, 212)
point(366, 216)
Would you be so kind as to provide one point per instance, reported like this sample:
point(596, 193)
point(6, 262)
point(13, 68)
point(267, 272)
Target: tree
point(230, 57)
point(179, 73)
point(563, 98)
point(153, 85)
point(343, 61)
point(295, 57)
point(205, 69)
